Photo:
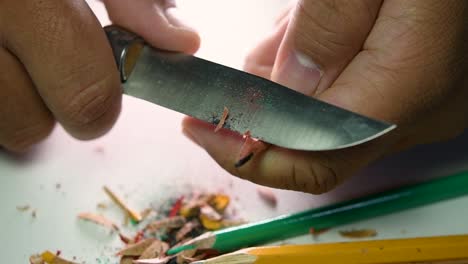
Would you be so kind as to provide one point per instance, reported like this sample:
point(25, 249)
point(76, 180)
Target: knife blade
point(268, 111)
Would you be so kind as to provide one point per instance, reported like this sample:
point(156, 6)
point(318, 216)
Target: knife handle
point(126, 47)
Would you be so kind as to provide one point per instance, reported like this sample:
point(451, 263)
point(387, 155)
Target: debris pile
point(174, 224)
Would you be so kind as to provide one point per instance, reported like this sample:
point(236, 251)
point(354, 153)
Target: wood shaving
point(186, 229)
point(359, 233)
point(249, 149)
point(147, 212)
point(210, 224)
point(126, 260)
point(102, 206)
point(170, 223)
point(23, 208)
point(36, 259)
point(155, 250)
point(98, 219)
point(268, 196)
point(210, 213)
point(134, 215)
point(162, 260)
point(221, 122)
point(137, 249)
point(219, 202)
point(51, 258)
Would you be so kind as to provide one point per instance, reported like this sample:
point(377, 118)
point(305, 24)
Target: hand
point(56, 64)
point(402, 61)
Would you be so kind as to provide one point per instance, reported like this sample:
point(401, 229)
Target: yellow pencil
point(440, 250)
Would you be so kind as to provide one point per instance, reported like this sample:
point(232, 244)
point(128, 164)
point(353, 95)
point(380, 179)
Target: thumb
point(321, 39)
point(158, 22)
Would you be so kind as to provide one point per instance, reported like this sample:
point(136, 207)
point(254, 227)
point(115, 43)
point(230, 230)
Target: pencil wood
point(440, 250)
point(286, 226)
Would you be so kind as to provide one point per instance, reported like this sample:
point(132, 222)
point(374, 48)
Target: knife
point(268, 111)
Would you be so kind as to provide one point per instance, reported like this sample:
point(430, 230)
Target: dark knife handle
point(126, 47)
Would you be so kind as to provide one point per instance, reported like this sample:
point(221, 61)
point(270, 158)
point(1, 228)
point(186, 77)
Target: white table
point(146, 157)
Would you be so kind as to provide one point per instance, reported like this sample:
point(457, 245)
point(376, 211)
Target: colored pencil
point(443, 249)
point(287, 226)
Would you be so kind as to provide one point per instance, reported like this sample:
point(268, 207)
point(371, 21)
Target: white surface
point(146, 157)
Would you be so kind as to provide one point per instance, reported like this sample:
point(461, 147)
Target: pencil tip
point(244, 160)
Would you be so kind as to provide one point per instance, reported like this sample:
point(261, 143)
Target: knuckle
point(24, 138)
point(92, 103)
point(313, 177)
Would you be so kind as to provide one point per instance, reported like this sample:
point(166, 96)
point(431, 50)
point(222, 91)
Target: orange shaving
point(98, 219)
point(222, 120)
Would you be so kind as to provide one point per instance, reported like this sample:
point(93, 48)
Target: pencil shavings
point(166, 223)
point(210, 213)
point(36, 259)
point(126, 260)
point(209, 223)
point(23, 208)
point(361, 233)
point(221, 122)
point(155, 250)
point(98, 219)
point(174, 224)
point(137, 249)
point(268, 196)
point(186, 229)
point(50, 258)
point(161, 260)
point(249, 149)
point(219, 202)
point(192, 207)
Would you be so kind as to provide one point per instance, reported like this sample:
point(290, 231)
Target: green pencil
point(287, 226)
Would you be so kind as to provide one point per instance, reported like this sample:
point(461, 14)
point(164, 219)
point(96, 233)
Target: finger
point(322, 38)
point(312, 172)
point(157, 21)
point(65, 51)
point(261, 59)
point(389, 78)
point(24, 119)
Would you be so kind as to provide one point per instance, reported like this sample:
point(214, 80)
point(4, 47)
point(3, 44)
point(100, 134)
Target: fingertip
point(94, 111)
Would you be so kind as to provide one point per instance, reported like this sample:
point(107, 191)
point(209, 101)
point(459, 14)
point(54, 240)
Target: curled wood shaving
point(137, 249)
point(210, 213)
point(186, 229)
point(250, 148)
point(209, 223)
point(267, 196)
point(361, 233)
point(155, 250)
point(23, 208)
point(170, 222)
point(222, 120)
point(162, 260)
point(192, 208)
point(36, 259)
point(51, 258)
point(219, 202)
point(98, 219)
point(126, 260)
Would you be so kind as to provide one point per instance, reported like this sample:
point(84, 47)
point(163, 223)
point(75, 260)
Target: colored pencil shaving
point(286, 226)
point(176, 222)
point(361, 233)
point(249, 149)
point(441, 250)
point(49, 258)
point(134, 215)
point(221, 122)
point(98, 219)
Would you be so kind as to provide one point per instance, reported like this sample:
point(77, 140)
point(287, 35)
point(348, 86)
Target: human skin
point(402, 61)
point(56, 64)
